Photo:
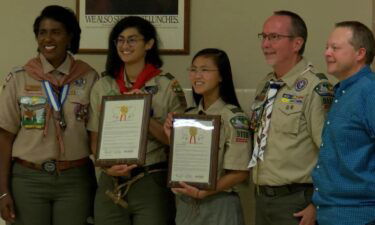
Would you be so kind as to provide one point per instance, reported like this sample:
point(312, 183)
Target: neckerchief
point(147, 73)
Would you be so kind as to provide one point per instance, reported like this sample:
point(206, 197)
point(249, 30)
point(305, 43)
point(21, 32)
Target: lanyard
point(56, 101)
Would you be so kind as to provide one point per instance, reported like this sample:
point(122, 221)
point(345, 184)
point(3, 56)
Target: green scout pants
point(150, 202)
point(220, 209)
point(278, 208)
point(51, 199)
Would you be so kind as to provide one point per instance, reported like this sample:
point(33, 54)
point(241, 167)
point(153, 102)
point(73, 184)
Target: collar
point(293, 75)
point(151, 82)
point(344, 84)
point(64, 68)
point(214, 108)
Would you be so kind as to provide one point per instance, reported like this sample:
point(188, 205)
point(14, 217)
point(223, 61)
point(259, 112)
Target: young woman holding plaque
point(213, 91)
point(133, 66)
point(46, 175)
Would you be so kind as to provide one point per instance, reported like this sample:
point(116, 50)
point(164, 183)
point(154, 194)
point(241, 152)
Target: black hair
point(226, 90)
point(64, 16)
point(146, 29)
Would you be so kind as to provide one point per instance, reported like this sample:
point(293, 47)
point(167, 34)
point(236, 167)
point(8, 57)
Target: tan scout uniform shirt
point(234, 147)
point(23, 112)
point(296, 125)
point(167, 97)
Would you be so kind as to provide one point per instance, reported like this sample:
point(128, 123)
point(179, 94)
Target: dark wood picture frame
point(142, 145)
point(214, 151)
point(170, 27)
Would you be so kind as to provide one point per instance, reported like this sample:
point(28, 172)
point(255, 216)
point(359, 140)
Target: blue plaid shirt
point(345, 172)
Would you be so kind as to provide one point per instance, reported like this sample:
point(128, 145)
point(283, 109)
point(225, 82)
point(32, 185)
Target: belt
point(272, 191)
point(52, 166)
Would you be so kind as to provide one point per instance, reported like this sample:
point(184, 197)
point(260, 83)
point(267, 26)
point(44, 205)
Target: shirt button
point(321, 145)
point(336, 101)
point(317, 207)
point(343, 91)
point(316, 189)
point(317, 166)
point(328, 122)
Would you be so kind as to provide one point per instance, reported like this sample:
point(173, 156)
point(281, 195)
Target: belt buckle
point(49, 166)
point(269, 191)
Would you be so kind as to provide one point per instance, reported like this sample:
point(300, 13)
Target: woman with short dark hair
point(46, 175)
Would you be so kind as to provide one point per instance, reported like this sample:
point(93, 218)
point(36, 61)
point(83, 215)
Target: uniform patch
point(242, 136)
point(294, 99)
point(177, 89)
point(301, 84)
point(80, 82)
point(324, 89)
point(81, 112)
point(33, 88)
point(7, 79)
point(33, 111)
point(240, 122)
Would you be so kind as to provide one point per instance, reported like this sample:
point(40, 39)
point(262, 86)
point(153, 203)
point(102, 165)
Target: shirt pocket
point(33, 112)
point(287, 118)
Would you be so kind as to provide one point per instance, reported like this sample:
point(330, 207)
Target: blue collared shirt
point(345, 172)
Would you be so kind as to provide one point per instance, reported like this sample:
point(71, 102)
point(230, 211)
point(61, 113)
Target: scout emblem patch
point(33, 111)
point(240, 122)
point(80, 82)
point(78, 87)
point(301, 84)
point(325, 90)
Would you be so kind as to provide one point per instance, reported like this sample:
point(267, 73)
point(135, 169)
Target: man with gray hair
point(344, 176)
point(288, 114)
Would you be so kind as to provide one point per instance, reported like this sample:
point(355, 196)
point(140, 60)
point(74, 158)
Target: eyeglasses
point(132, 41)
point(272, 37)
point(194, 70)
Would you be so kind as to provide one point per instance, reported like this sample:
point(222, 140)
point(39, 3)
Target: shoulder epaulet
point(189, 109)
point(169, 76)
point(321, 76)
point(17, 69)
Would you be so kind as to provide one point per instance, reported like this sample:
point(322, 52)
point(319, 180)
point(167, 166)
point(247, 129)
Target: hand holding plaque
point(124, 122)
point(194, 150)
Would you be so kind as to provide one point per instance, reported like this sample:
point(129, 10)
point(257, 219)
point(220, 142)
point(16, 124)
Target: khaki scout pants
point(150, 202)
point(44, 199)
point(219, 209)
point(279, 209)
